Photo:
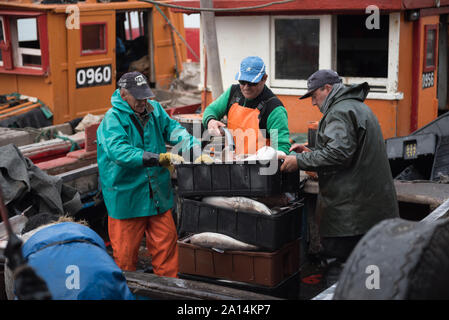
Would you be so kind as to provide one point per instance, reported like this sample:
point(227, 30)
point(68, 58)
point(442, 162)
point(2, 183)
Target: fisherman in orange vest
point(256, 117)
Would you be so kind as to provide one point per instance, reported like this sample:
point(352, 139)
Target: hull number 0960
point(93, 76)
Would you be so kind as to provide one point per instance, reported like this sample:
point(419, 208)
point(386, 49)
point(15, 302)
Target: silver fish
point(239, 204)
point(220, 241)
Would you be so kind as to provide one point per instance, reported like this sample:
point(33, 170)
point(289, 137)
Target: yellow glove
point(167, 159)
point(204, 158)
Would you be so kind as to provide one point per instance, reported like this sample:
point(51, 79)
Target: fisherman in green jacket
point(133, 165)
point(256, 117)
point(356, 189)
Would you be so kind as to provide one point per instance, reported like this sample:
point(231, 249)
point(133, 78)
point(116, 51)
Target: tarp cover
point(34, 118)
point(73, 261)
point(23, 184)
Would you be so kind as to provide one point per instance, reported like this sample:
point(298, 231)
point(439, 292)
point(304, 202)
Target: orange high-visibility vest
point(244, 125)
point(247, 119)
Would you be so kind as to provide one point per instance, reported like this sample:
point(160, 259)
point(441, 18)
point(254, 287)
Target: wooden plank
point(19, 111)
point(157, 287)
point(440, 212)
point(6, 108)
point(429, 193)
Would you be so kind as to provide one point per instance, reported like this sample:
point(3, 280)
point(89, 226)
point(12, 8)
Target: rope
point(216, 9)
point(52, 134)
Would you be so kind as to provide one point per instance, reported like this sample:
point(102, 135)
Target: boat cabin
point(70, 55)
point(400, 47)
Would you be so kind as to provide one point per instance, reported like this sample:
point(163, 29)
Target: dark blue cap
point(319, 79)
point(136, 83)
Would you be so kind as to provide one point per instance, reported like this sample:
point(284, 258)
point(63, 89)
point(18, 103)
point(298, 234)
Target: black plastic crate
point(269, 232)
point(287, 289)
point(235, 179)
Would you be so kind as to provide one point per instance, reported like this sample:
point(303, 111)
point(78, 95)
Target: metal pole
point(210, 40)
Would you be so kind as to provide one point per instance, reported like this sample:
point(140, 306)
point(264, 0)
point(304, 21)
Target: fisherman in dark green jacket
point(133, 165)
point(256, 117)
point(356, 189)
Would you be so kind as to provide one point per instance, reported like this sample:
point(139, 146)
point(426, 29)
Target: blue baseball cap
point(252, 69)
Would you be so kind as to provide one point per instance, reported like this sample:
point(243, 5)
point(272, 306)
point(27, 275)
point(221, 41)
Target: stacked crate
point(272, 270)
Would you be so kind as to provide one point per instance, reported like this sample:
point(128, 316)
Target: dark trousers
point(339, 247)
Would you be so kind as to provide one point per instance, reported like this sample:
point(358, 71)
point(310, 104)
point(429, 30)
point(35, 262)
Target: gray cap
point(319, 79)
point(136, 83)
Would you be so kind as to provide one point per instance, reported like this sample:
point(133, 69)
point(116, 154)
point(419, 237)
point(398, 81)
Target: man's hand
point(214, 127)
point(290, 163)
point(299, 148)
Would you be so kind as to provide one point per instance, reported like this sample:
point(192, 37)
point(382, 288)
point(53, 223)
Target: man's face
point(135, 104)
point(252, 90)
point(320, 95)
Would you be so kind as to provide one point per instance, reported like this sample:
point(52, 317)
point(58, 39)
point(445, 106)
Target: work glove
point(167, 160)
point(150, 159)
point(204, 158)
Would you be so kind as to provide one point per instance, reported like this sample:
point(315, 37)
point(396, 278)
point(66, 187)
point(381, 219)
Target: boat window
point(28, 47)
point(300, 44)
point(430, 42)
point(93, 38)
point(362, 52)
point(27, 33)
point(133, 24)
point(23, 43)
point(358, 51)
point(2, 37)
point(297, 47)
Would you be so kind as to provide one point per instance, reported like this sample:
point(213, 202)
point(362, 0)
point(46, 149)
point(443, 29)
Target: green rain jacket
point(131, 190)
point(354, 176)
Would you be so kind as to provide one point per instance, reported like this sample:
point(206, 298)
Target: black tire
point(412, 260)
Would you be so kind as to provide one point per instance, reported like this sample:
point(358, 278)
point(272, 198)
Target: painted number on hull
point(93, 76)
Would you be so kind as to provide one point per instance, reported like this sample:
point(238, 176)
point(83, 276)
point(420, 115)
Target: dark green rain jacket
point(355, 181)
